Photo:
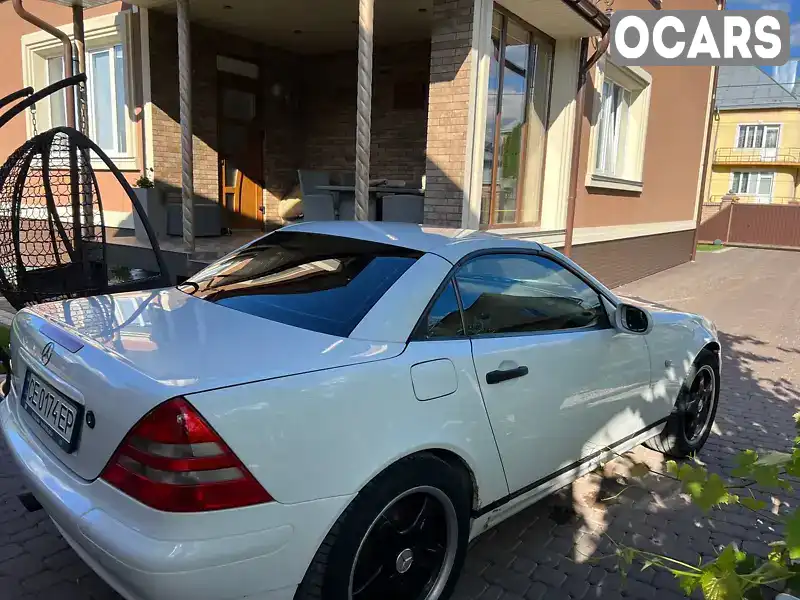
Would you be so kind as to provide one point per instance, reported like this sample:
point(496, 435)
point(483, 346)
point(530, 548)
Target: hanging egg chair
point(52, 230)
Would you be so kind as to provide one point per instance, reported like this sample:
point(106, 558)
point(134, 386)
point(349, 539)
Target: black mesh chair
point(52, 231)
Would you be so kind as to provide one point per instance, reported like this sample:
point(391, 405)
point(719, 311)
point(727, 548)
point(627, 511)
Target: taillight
point(172, 460)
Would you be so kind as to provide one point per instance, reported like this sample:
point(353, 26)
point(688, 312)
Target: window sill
point(123, 163)
point(614, 183)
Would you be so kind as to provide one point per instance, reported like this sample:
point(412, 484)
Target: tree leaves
point(721, 586)
point(752, 503)
point(688, 583)
point(792, 535)
point(744, 463)
point(793, 466)
point(705, 490)
point(730, 557)
point(710, 493)
point(733, 574)
point(766, 470)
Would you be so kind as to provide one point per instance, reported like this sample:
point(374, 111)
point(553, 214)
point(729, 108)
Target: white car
point(336, 409)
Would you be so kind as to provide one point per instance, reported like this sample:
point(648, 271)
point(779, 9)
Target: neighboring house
point(756, 137)
point(274, 90)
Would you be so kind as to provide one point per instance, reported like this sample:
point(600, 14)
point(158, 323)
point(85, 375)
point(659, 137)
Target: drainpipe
point(711, 112)
point(580, 106)
point(65, 42)
point(706, 161)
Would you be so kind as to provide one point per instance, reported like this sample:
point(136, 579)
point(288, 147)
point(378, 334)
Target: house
point(756, 139)
point(612, 173)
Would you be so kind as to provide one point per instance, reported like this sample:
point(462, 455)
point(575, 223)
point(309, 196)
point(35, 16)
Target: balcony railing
point(757, 156)
point(754, 199)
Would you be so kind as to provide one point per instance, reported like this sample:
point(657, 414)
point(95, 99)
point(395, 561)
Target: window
point(611, 129)
point(758, 136)
point(752, 183)
point(619, 127)
point(107, 97)
point(318, 282)
point(517, 293)
point(517, 116)
point(444, 318)
point(109, 93)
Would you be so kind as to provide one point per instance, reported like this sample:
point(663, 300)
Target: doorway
point(240, 135)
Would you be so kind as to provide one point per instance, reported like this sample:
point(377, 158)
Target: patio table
point(378, 190)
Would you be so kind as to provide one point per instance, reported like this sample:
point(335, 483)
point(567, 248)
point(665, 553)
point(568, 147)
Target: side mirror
point(632, 319)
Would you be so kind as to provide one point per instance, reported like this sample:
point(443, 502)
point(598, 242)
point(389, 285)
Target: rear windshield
point(319, 282)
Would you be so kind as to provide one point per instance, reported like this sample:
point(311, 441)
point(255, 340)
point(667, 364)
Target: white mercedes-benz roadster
point(334, 410)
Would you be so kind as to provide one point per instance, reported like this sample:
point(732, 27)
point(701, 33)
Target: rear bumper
point(259, 552)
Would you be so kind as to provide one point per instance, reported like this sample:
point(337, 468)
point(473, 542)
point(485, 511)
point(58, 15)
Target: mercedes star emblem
point(47, 353)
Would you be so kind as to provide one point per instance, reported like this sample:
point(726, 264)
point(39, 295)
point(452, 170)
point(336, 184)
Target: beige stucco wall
point(14, 134)
point(676, 131)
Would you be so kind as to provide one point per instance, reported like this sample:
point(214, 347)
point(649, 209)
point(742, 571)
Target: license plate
point(59, 416)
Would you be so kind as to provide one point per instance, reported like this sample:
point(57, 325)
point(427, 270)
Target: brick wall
point(280, 143)
point(448, 108)
point(397, 149)
point(309, 111)
point(709, 210)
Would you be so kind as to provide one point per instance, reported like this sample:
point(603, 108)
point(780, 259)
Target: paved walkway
point(545, 552)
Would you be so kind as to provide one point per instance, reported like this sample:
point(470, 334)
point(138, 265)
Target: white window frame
point(611, 144)
point(103, 32)
point(627, 174)
point(757, 176)
point(763, 145)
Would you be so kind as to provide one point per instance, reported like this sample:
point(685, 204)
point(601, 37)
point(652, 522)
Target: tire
point(675, 440)
point(342, 558)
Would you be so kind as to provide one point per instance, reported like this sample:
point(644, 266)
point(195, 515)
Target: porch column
point(364, 115)
point(185, 92)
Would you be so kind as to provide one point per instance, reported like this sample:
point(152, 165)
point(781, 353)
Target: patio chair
point(311, 180)
point(347, 178)
point(403, 208)
point(347, 209)
point(318, 207)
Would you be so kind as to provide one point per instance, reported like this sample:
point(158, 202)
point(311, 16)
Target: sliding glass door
point(516, 123)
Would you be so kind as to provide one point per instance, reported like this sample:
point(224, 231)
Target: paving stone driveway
point(754, 297)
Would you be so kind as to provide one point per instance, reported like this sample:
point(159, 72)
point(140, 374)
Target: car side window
point(522, 293)
point(444, 318)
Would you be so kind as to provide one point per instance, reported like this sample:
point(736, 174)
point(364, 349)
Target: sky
point(790, 6)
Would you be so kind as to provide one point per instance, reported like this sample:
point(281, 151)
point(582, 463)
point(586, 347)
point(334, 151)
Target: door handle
point(499, 376)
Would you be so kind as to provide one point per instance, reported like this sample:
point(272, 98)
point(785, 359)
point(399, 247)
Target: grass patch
point(709, 248)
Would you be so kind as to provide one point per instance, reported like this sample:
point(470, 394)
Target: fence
point(772, 225)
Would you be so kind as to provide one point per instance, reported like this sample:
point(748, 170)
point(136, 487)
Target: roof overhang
point(561, 19)
point(328, 23)
point(83, 3)
point(589, 11)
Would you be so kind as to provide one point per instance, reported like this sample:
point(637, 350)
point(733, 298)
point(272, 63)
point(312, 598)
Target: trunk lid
point(120, 356)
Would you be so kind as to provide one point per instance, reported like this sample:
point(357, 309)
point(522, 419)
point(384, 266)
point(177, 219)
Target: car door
point(559, 382)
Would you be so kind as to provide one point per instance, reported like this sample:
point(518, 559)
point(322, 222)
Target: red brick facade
point(308, 108)
point(448, 111)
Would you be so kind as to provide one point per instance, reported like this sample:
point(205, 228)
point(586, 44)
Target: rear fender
point(329, 433)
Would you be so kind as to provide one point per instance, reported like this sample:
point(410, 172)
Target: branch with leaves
point(733, 574)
